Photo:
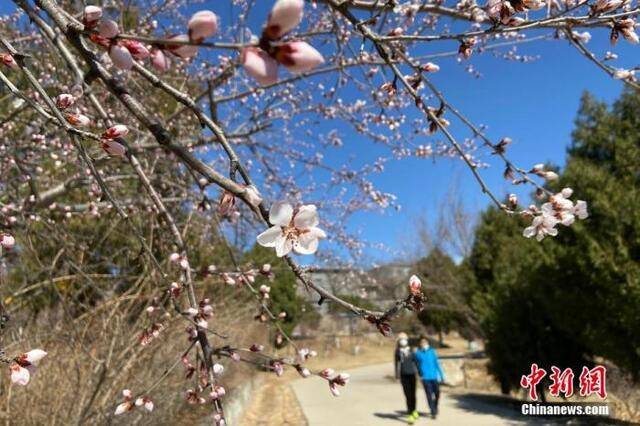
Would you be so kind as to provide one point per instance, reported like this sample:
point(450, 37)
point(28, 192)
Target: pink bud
point(108, 29)
point(92, 15)
point(184, 51)
point(113, 148)
point(78, 119)
point(123, 408)
point(259, 65)
point(174, 257)
point(138, 50)
point(7, 241)
point(33, 356)
point(430, 67)
point(117, 131)
point(298, 56)
point(20, 375)
point(285, 16)
point(218, 369)
point(202, 24)
point(64, 100)
point(121, 57)
point(414, 284)
point(159, 60)
point(8, 60)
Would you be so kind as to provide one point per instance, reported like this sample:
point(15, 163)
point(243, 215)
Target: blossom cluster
point(558, 210)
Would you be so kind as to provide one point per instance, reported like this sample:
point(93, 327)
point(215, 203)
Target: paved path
point(373, 398)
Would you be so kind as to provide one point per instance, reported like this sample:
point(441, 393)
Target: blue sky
point(534, 103)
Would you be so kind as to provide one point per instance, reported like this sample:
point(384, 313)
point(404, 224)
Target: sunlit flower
point(184, 51)
point(202, 24)
point(285, 16)
point(291, 229)
point(259, 65)
point(298, 56)
point(91, 16)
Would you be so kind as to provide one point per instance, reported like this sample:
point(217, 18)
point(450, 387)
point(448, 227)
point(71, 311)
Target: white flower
point(218, 369)
point(20, 375)
point(580, 210)
point(292, 230)
point(541, 226)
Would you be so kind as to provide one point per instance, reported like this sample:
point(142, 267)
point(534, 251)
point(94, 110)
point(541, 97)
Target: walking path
point(372, 398)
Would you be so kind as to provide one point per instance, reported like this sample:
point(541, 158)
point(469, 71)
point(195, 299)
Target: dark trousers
point(409, 388)
point(432, 389)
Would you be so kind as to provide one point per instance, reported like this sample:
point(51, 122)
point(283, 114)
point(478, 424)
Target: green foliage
point(446, 287)
point(569, 298)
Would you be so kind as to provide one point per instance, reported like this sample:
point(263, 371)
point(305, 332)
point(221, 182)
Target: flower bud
point(117, 131)
point(414, 284)
point(91, 16)
point(7, 241)
point(113, 148)
point(78, 119)
point(8, 60)
point(138, 50)
point(108, 29)
point(202, 24)
point(159, 60)
point(64, 100)
point(184, 51)
point(285, 16)
point(298, 56)
point(121, 57)
point(259, 65)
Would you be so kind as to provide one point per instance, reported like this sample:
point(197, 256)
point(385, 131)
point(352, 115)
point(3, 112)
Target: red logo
point(591, 381)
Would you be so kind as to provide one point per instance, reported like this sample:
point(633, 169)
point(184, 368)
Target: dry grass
point(94, 356)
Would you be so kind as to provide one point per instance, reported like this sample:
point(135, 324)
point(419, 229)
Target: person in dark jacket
point(405, 368)
point(430, 372)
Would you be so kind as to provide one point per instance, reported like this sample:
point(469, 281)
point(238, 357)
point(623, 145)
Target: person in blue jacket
point(430, 373)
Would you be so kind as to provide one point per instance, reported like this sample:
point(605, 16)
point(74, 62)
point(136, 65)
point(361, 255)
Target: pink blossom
point(123, 408)
point(108, 29)
point(430, 67)
point(78, 120)
point(33, 356)
point(159, 60)
point(91, 16)
point(8, 60)
point(202, 24)
point(285, 16)
point(259, 65)
point(113, 148)
point(138, 50)
point(117, 131)
point(121, 57)
point(184, 51)
point(19, 375)
point(414, 284)
point(7, 241)
point(64, 100)
point(299, 56)
point(145, 402)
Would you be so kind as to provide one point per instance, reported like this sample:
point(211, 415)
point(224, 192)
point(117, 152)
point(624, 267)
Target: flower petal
point(306, 217)
point(283, 246)
point(280, 213)
point(268, 237)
